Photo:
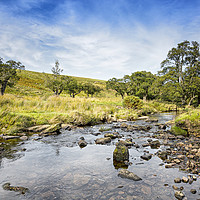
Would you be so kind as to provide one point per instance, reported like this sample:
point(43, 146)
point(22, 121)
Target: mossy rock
point(121, 153)
point(178, 131)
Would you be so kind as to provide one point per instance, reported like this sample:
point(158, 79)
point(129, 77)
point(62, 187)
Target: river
point(55, 167)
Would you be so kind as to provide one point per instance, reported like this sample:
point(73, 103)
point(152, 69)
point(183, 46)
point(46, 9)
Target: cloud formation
point(96, 39)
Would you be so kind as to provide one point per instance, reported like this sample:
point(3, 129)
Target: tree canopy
point(8, 73)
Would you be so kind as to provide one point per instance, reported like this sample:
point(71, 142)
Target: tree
point(73, 87)
point(57, 82)
point(8, 73)
point(139, 84)
point(118, 85)
point(91, 89)
point(180, 72)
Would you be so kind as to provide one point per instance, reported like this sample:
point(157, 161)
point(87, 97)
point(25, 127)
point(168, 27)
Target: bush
point(132, 102)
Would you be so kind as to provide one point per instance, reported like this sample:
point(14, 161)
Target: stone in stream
point(112, 135)
point(124, 173)
point(177, 180)
point(193, 191)
point(23, 138)
point(179, 195)
point(82, 143)
point(20, 189)
point(146, 156)
point(155, 144)
point(185, 180)
point(121, 152)
point(103, 140)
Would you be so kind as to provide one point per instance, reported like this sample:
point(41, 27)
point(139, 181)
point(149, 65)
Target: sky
point(98, 39)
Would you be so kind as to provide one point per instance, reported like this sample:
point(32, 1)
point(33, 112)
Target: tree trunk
point(191, 100)
point(144, 98)
point(3, 87)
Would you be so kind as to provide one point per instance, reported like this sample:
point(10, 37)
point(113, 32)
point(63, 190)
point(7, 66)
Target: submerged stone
point(124, 173)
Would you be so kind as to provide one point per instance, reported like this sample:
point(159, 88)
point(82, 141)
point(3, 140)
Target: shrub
point(132, 102)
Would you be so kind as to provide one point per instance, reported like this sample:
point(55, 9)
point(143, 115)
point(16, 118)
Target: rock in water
point(179, 195)
point(124, 173)
point(121, 153)
point(146, 156)
point(82, 143)
point(103, 140)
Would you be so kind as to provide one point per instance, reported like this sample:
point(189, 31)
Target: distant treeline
point(178, 81)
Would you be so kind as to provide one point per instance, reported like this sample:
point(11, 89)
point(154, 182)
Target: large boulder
point(124, 173)
point(121, 153)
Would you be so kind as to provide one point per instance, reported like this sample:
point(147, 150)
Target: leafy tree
point(8, 73)
point(118, 85)
point(91, 89)
point(180, 72)
point(139, 84)
point(73, 87)
point(57, 82)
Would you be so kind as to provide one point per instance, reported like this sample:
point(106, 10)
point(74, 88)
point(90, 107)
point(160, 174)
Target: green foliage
point(56, 82)
point(132, 102)
point(139, 84)
point(118, 85)
point(180, 74)
point(91, 89)
point(8, 73)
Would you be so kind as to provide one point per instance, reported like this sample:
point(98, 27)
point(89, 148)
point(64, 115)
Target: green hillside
point(33, 84)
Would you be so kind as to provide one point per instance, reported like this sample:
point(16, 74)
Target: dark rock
point(103, 140)
point(146, 156)
point(145, 145)
point(82, 143)
point(123, 173)
point(193, 191)
point(155, 144)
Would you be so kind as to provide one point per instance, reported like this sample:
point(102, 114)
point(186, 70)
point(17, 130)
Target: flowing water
point(55, 167)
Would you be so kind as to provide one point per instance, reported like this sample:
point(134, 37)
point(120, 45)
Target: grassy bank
point(18, 112)
point(188, 123)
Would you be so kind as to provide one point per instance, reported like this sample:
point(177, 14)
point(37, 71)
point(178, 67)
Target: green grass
point(190, 120)
point(30, 102)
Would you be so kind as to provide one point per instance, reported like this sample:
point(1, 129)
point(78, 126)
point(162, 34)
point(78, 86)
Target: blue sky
point(95, 38)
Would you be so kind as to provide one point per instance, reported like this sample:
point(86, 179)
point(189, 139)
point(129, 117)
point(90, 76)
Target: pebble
point(185, 179)
point(193, 191)
point(179, 195)
point(177, 180)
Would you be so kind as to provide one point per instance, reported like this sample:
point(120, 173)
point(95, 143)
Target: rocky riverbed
point(77, 163)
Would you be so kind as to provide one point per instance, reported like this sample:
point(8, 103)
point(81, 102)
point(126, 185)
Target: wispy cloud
point(86, 44)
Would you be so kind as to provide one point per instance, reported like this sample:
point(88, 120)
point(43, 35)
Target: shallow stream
point(55, 167)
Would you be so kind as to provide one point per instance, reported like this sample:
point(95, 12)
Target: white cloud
point(95, 51)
